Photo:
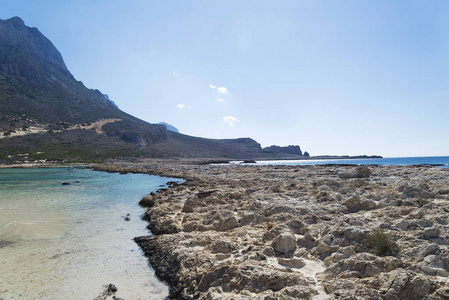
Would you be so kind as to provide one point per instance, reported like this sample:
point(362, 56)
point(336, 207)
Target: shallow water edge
point(85, 242)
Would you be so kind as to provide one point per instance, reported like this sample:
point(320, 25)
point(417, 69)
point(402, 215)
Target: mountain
point(107, 98)
point(45, 113)
point(169, 127)
point(36, 85)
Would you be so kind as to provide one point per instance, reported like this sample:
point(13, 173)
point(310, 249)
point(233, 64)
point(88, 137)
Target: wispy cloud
point(230, 121)
point(220, 100)
point(221, 90)
point(181, 106)
point(175, 74)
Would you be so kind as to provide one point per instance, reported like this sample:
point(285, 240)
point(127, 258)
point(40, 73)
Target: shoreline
point(89, 225)
point(267, 232)
point(273, 232)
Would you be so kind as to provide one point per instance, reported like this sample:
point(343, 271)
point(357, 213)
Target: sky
point(335, 77)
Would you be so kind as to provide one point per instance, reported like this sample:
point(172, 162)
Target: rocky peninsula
point(299, 232)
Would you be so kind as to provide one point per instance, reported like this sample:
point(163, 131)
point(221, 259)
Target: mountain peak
point(16, 21)
point(26, 52)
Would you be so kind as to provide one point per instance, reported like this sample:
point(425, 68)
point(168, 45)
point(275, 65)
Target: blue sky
point(335, 77)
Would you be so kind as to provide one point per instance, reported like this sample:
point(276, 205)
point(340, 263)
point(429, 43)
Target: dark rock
point(112, 288)
point(159, 253)
point(202, 195)
point(148, 201)
point(65, 183)
point(249, 161)
point(5, 243)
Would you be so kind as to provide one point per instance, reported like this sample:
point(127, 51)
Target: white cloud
point(222, 90)
point(182, 106)
point(230, 121)
point(220, 100)
point(176, 74)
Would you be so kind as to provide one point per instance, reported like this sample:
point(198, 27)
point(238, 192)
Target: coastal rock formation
point(281, 232)
point(295, 150)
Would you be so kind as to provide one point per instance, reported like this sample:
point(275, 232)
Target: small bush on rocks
point(362, 172)
point(382, 244)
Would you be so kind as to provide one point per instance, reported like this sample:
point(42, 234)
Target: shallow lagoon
point(68, 241)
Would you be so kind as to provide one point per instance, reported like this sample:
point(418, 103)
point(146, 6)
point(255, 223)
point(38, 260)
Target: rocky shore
point(299, 232)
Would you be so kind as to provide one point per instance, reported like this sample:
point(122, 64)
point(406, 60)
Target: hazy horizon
point(361, 78)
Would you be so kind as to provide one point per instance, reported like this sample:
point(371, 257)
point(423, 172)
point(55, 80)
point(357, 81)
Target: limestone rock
point(403, 224)
point(285, 243)
point(420, 285)
point(355, 204)
point(431, 233)
point(292, 262)
point(415, 192)
point(226, 222)
point(191, 203)
point(223, 246)
point(278, 229)
point(404, 285)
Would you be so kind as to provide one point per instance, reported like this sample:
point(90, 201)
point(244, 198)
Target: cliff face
point(25, 52)
point(37, 89)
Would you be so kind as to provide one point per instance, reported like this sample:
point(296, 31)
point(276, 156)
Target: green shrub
point(382, 244)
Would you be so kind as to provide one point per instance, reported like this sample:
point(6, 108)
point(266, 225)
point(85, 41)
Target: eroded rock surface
point(300, 232)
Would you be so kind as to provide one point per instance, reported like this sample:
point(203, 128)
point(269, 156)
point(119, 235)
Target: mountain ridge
point(45, 110)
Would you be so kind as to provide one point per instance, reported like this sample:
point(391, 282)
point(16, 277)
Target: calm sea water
point(397, 161)
point(68, 241)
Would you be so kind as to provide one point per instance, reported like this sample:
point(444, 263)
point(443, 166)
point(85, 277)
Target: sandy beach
point(299, 232)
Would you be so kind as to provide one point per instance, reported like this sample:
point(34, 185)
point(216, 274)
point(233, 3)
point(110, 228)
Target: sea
point(70, 241)
point(441, 161)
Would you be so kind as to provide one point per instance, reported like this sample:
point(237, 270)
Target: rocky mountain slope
point(45, 113)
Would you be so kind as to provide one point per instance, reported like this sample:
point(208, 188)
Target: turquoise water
point(67, 241)
point(397, 161)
